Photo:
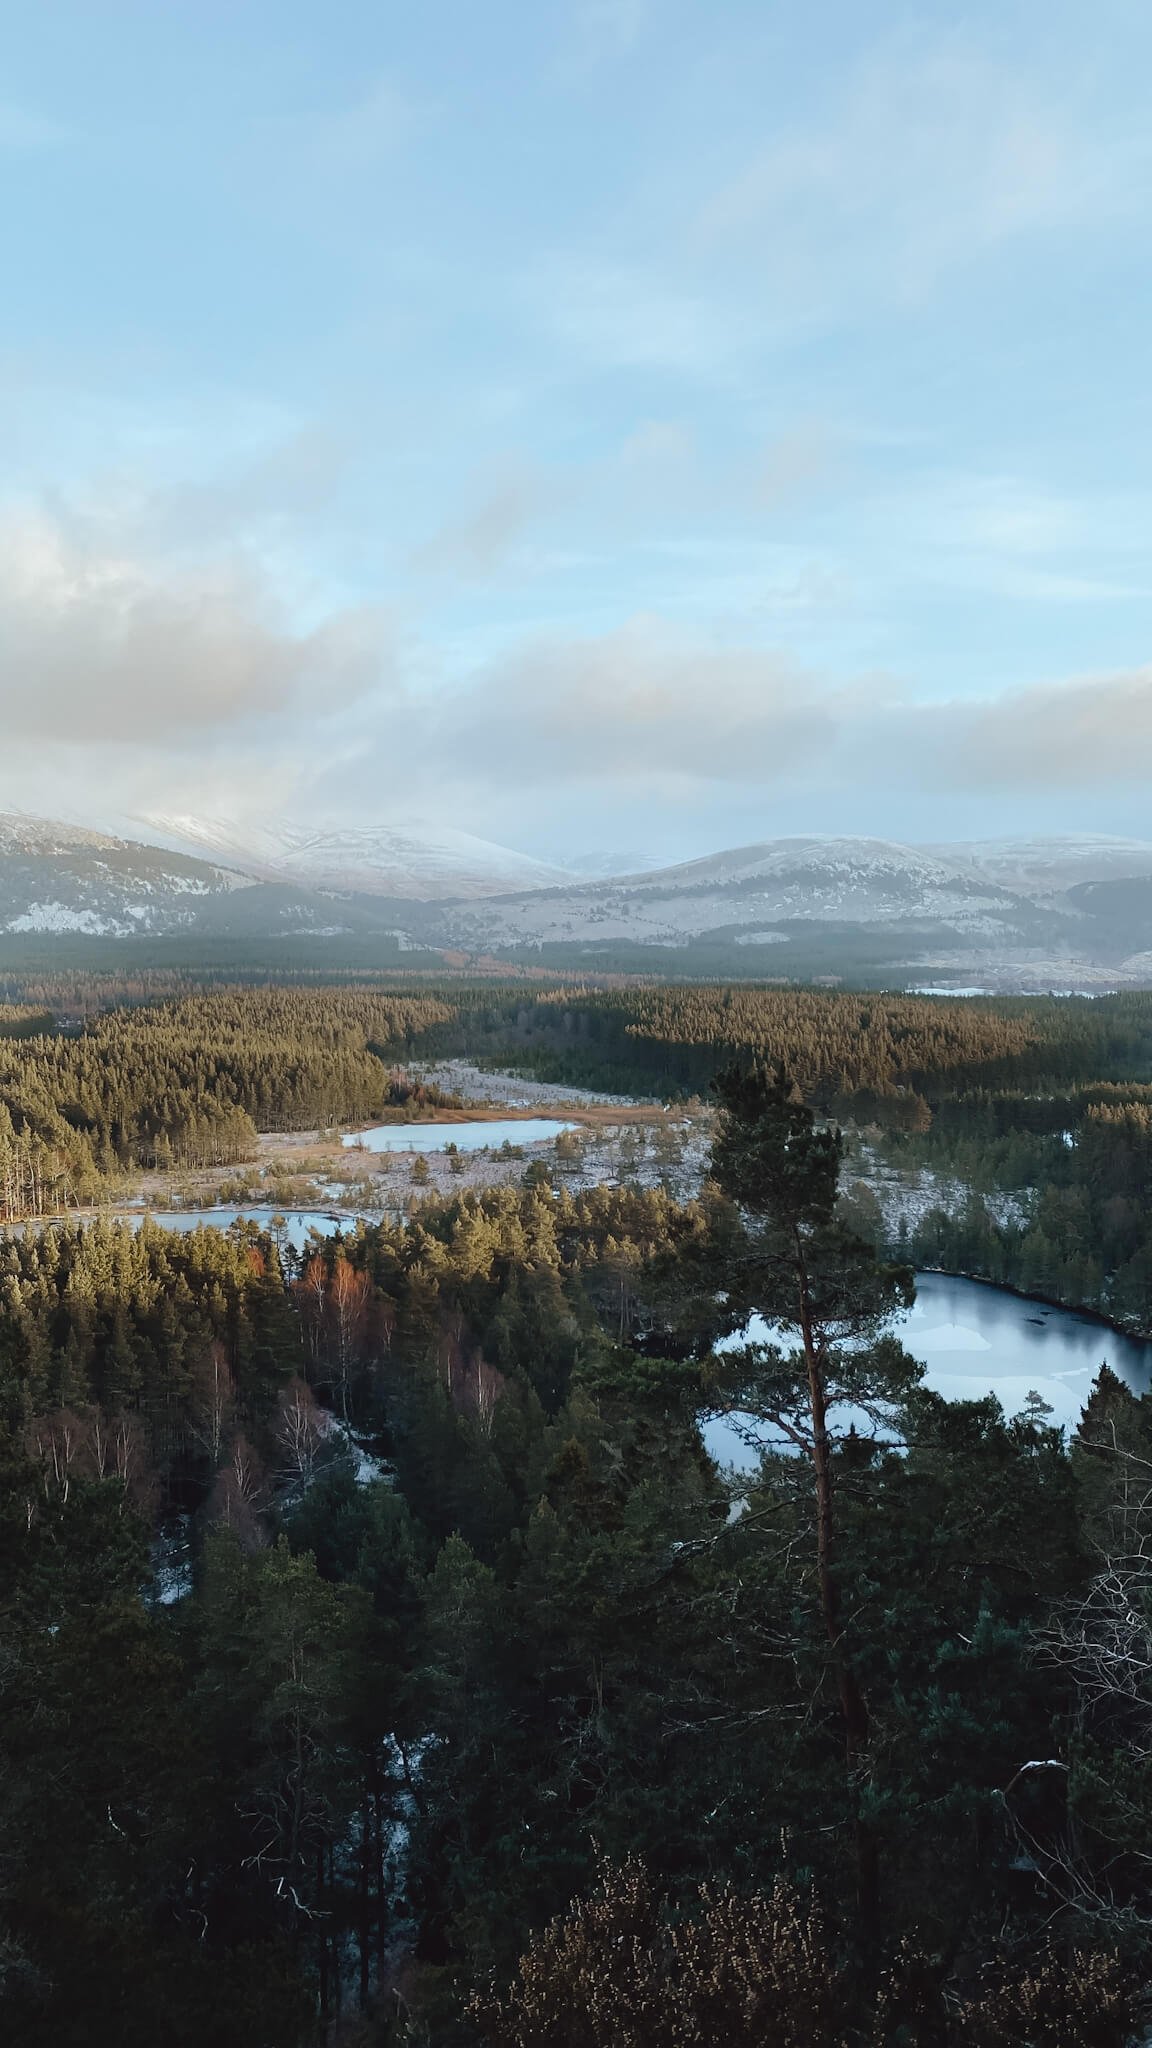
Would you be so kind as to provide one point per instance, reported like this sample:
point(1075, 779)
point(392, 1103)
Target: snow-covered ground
point(472, 1084)
point(62, 917)
point(600, 1155)
point(906, 1196)
point(172, 1562)
point(367, 1467)
point(414, 860)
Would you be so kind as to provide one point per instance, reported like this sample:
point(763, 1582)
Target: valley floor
point(615, 1140)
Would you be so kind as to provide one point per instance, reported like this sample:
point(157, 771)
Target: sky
point(635, 426)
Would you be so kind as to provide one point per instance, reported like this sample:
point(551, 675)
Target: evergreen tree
point(797, 1264)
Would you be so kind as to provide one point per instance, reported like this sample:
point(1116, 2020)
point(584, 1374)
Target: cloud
point(793, 461)
point(295, 476)
point(1095, 732)
point(626, 315)
point(932, 155)
point(641, 713)
point(612, 26)
point(354, 137)
point(920, 162)
point(633, 707)
point(161, 681)
point(657, 444)
point(477, 544)
point(102, 646)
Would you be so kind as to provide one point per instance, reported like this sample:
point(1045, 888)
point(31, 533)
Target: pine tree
point(795, 1262)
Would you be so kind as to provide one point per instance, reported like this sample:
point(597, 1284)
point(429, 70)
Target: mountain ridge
point(403, 861)
point(1074, 910)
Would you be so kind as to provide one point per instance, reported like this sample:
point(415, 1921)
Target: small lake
point(975, 1339)
point(470, 1137)
point(295, 1228)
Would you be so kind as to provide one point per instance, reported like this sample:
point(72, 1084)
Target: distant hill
point(1049, 866)
point(749, 888)
point(411, 862)
point(62, 878)
point(1005, 914)
point(1073, 912)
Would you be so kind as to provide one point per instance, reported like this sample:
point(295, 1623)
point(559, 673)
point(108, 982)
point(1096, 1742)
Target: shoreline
point(1064, 1308)
point(341, 1219)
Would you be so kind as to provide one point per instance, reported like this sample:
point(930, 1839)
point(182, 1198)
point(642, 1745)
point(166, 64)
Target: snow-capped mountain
point(1013, 915)
point(211, 878)
point(421, 863)
point(1052, 913)
point(57, 877)
point(750, 889)
point(857, 879)
point(1042, 867)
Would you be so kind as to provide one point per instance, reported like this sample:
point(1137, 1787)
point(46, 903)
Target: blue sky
point(627, 423)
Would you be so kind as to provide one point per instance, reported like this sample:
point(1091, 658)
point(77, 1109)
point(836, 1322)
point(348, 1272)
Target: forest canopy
point(385, 1658)
point(94, 1080)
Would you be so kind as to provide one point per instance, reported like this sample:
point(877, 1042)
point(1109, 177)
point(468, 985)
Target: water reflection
point(470, 1137)
point(975, 1339)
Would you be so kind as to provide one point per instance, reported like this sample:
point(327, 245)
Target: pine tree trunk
point(853, 1708)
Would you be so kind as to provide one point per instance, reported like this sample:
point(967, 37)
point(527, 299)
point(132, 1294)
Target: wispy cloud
point(794, 460)
point(930, 155)
point(928, 158)
point(631, 316)
point(482, 540)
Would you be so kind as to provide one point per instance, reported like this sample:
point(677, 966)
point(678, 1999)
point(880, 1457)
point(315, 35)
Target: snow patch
point(368, 1469)
point(63, 917)
point(416, 860)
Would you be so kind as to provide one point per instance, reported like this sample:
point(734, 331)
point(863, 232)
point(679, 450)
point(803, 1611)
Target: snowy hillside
point(853, 879)
point(1014, 915)
point(1056, 913)
point(59, 880)
point(1045, 866)
point(57, 877)
point(849, 859)
point(417, 862)
point(748, 888)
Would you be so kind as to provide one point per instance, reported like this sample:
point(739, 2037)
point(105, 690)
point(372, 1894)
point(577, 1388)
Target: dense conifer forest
point(1047, 1103)
point(96, 1075)
point(383, 1657)
point(189, 1083)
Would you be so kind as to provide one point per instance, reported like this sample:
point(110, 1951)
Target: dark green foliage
point(398, 1724)
point(189, 1083)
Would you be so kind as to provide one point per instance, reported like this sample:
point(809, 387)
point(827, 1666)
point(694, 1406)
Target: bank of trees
point(885, 1703)
point(625, 1969)
point(189, 1083)
point(1051, 1194)
point(871, 1722)
point(134, 1075)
